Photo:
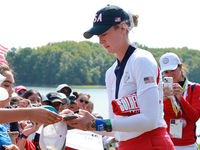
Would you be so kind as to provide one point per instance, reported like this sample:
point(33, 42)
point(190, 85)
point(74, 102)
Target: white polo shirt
point(140, 65)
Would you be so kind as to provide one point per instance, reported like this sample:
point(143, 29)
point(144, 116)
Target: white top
point(140, 66)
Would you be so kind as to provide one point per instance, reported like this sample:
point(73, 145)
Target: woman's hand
point(177, 90)
point(22, 124)
point(85, 121)
point(167, 93)
point(31, 128)
point(24, 103)
point(44, 116)
point(66, 111)
point(10, 147)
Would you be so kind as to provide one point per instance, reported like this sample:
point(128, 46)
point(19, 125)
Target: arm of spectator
point(39, 115)
point(29, 129)
point(192, 108)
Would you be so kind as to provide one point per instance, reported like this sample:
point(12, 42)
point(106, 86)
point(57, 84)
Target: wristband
point(100, 124)
point(108, 125)
point(23, 136)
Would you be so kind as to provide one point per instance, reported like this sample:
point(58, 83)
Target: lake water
point(98, 97)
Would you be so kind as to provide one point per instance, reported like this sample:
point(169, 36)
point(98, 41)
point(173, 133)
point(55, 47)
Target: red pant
point(69, 148)
point(157, 139)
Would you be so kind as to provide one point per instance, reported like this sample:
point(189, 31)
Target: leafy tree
point(80, 63)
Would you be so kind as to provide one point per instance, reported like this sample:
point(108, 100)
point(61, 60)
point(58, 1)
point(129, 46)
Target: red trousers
point(69, 148)
point(157, 139)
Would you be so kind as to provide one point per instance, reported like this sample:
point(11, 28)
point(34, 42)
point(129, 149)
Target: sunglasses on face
point(82, 100)
point(64, 103)
point(64, 92)
point(20, 93)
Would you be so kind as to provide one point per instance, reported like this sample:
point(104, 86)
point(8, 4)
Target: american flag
point(148, 80)
point(3, 50)
point(117, 19)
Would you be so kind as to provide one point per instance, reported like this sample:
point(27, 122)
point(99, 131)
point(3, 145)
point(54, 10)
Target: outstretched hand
point(43, 116)
point(85, 121)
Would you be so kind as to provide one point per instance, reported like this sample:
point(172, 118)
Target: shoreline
point(72, 86)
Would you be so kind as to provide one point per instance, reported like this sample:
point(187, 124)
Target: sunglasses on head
point(20, 93)
point(64, 92)
point(82, 100)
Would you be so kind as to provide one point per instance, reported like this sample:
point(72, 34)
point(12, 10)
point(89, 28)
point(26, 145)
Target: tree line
point(80, 63)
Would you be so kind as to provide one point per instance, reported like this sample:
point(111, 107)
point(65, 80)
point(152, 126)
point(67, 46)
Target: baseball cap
point(20, 87)
point(169, 61)
point(53, 136)
point(3, 60)
point(3, 94)
point(2, 78)
point(61, 86)
point(49, 108)
point(63, 96)
point(105, 18)
point(44, 98)
point(54, 97)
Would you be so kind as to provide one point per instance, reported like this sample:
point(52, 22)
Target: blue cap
point(105, 18)
point(50, 108)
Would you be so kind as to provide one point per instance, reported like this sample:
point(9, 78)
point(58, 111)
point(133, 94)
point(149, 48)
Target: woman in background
point(90, 107)
point(82, 100)
point(34, 96)
point(181, 104)
point(6, 72)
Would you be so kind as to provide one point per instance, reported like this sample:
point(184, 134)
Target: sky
point(35, 23)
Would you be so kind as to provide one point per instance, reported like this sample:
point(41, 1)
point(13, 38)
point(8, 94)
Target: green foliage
point(189, 57)
point(80, 63)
